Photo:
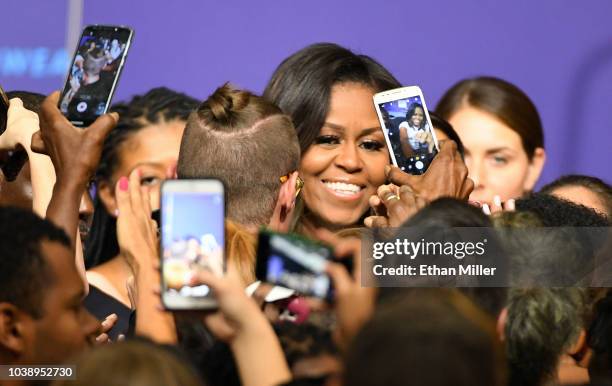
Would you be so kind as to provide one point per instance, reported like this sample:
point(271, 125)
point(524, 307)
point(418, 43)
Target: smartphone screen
point(192, 239)
point(94, 72)
point(408, 129)
point(294, 262)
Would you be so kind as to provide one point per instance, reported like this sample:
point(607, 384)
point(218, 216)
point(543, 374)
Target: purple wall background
point(559, 52)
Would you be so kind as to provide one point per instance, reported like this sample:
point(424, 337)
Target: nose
point(476, 171)
point(348, 158)
point(86, 206)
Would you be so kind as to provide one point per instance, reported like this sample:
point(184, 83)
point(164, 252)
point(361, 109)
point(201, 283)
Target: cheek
point(507, 181)
point(375, 167)
point(315, 161)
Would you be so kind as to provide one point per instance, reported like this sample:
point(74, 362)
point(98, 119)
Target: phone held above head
point(94, 72)
point(409, 134)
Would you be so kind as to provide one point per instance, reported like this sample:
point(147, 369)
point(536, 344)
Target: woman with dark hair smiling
point(327, 90)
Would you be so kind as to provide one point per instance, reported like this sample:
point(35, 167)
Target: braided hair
point(158, 105)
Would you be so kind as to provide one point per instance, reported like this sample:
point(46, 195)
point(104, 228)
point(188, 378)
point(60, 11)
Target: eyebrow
point(363, 132)
point(498, 149)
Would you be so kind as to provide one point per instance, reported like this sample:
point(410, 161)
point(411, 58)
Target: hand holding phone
point(193, 239)
point(409, 134)
point(93, 75)
point(295, 262)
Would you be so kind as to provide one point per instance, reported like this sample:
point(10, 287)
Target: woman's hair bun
point(225, 102)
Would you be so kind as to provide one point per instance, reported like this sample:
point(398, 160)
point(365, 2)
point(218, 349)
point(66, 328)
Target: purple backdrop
point(559, 52)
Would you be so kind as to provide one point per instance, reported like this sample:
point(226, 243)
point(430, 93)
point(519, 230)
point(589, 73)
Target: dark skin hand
point(75, 153)
point(447, 176)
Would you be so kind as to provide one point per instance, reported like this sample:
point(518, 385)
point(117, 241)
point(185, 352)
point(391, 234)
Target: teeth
point(342, 188)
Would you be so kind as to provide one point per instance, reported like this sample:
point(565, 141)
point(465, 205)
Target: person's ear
point(285, 204)
point(12, 330)
point(501, 324)
point(106, 192)
point(534, 169)
point(579, 344)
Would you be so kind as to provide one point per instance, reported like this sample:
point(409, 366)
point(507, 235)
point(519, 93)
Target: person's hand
point(421, 136)
point(136, 230)
point(497, 206)
point(21, 124)
point(447, 176)
point(237, 312)
point(239, 322)
point(107, 325)
point(393, 206)
point(75, 152)
point(353, 304)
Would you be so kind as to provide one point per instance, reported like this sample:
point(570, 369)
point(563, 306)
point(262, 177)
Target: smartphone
point(192, 239)
point(405, 121)
point(295, 262)
point(94, 72)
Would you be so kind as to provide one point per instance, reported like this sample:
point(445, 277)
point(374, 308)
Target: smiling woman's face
point(345, 164)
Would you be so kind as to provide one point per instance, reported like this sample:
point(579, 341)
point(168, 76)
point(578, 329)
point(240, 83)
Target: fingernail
point(511, 204)
point(475, 203)
point(101, 338)
point(367, 222)
point(486, 209)
point(123, 184)
point(116, 212)
point(387, 169)
point(497, 200)
point(111, 316)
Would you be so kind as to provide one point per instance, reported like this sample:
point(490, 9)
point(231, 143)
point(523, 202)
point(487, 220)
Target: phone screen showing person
point(94, 72)
point(192, 239)
point(408, 130)
point(294, 262)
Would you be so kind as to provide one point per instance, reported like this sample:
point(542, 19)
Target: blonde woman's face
point(495, 157)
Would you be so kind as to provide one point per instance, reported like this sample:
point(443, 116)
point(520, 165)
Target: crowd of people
point(79, 246)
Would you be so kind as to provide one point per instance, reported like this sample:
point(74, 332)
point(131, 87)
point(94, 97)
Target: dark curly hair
point(24, 274)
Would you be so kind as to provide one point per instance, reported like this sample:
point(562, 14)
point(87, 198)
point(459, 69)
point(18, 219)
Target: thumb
point(340, 277)
point(103, 125)
point(38, 145)
point(199, 277)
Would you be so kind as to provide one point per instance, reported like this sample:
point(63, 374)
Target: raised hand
point(447, 176)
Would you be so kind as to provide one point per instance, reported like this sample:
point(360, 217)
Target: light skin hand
point(22, 124)
point(241, 324)
point(353, 304)
point(137, 238)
